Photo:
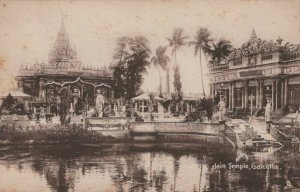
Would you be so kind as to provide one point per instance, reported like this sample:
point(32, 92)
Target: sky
point(28, 30)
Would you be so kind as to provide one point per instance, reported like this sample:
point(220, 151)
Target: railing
point(266, 57)
point(285, 139)
point(237, 62)
point(65, 72)
point(219, 68)
point(289, 56)
point(109, 123)
point(178, 127)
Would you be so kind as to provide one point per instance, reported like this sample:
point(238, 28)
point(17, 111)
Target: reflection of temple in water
point(264, 70)
point(64, 75)
point(158, 170)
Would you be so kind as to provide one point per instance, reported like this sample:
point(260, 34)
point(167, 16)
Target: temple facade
point(258, 72)
point(65, 76)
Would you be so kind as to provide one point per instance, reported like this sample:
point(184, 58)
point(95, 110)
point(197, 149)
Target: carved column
point(246, 94)
point(243, 97)
point(210, 89)
point(261, 92)
point(213, 92)
point(273, 95)
point(282, 92)
point(232, 95)
point(257, 95)
point(112, 94)
point(42, 88)
point(276, 94)
point(286, 91)
point(20, 85)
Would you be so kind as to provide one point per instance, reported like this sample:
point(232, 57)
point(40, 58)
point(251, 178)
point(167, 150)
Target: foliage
point(177, 40)
point(54, 134)
point(63, 107)
point(217, 98)
point(160, 60)
point(177, 96)
point(11, 106)
point(130, 62)
point(219, 51)
point(239, 114)
point(200, 42)
point(78, 106)
point(203, 106)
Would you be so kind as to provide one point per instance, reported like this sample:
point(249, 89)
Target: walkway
point(260, 127)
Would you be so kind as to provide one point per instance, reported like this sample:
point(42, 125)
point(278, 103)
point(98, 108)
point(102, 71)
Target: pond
point(135, 168)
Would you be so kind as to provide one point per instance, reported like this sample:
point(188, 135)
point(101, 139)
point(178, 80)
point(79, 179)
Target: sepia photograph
point(150, 96)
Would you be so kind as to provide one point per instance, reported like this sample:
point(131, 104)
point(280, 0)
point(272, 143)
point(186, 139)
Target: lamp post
point(251, 99)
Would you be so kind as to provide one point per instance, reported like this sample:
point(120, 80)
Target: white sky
point(28, 29)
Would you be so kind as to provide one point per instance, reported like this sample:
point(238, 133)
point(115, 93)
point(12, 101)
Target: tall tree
point(219, 51)
point(177, 85)
point(200, 42)
point(176, 42)
point(131, 62)
point(161, 60)
point(120, 58)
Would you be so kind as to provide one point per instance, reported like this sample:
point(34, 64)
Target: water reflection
point(126, 168)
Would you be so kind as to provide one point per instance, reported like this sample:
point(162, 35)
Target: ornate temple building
point(260, 71)
point(64, 75)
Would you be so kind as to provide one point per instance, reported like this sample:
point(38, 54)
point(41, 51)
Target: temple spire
point(62, 28)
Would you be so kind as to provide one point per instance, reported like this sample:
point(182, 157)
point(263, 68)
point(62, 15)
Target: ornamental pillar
point(232, 95)
point(243, 97)
point(261, 93)
point(142, 106)
point(273, 95)
point(42, 88)
point(286, 91)
point(20, 85)
point(213, 92)
point(276, 93)
point(282, 92)
point(257, 95)
point(246, 94)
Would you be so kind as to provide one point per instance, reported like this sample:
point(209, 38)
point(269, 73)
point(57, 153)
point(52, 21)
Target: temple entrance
point(294, 94)
point(252, 92)
point(238, 97)
point(267, 94)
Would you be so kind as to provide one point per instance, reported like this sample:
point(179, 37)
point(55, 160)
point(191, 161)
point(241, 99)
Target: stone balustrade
point(178, 127)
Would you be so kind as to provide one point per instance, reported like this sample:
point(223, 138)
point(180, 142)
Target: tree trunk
point(201, 71)
point(168, 81)
point(160, 86)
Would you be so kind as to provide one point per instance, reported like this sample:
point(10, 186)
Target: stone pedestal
point(268, 126)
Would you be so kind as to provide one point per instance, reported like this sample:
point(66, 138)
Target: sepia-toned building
point(64, 73)
point(264, 70)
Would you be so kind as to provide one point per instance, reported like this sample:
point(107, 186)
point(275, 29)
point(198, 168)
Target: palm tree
point(219, 51)
point(200, 43)
point(177, 40)
point(160, 60)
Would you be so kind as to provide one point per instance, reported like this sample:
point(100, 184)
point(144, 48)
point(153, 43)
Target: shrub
point(54, 134)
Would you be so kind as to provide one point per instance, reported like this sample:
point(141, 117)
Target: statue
point(99, 103)
point(222, 109)
point(268, 111)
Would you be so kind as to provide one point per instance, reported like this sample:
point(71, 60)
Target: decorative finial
point(253, 34)
point(279, 40)
point(62, 29)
